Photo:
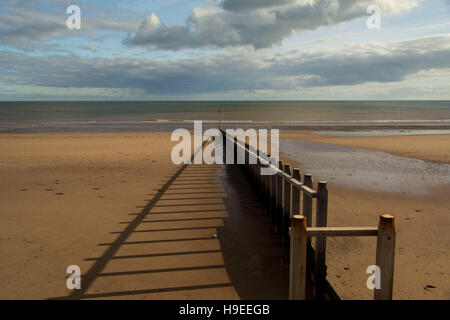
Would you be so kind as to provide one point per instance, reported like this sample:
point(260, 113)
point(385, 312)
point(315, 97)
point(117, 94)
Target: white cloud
point(259, 23)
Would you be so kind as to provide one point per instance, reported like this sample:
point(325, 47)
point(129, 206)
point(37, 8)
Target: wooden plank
point(298, 185)
point(342, 231)
point(321, 242)
point(235, 151)
point(273, 196)
point(297, 266)
point(287, 188)
point(266, 201)
point(307, 200)
point(385, 256)
point(279, 213)
point(296, 193)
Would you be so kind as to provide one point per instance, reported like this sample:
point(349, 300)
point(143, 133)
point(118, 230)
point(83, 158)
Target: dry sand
point(63, 194)
point(68, 199)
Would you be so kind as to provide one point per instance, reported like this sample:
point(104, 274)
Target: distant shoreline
point(168, 126)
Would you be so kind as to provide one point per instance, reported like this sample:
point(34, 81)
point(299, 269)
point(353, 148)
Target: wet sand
point(434, 148)
point(358, 195)
point(63, 194)
point(367, 169)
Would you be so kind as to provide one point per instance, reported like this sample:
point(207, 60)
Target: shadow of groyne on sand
point(202, 235)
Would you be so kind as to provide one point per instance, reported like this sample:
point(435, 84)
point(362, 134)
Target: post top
point(298, 217)
point(387, 216)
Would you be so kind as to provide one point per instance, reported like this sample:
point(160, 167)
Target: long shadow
point(100, 263)
point(256, 262)
point(149, 291)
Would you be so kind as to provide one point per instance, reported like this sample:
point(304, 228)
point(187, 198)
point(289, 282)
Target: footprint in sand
point(23, 190)
point(59, 193)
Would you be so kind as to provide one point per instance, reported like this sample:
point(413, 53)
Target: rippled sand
point(366, 169)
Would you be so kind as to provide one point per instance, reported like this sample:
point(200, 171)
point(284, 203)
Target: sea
point(341, 117)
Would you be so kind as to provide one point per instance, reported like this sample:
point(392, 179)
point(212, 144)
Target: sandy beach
point(63, 194)
point(434, 148)
point(422, 221)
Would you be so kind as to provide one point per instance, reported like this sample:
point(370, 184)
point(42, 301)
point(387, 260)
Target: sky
point(225, 50)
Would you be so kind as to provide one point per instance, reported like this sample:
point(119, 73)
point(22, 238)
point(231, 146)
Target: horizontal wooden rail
point(283, 196)
point(342, 232)
point(266, 164)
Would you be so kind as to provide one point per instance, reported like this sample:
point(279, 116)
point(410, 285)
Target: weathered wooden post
point(286, 206)
point(296, 193)
point(262, 179)
point(235, 148)
point(273, 195)
point(307, 200)
point(385, 256)
point(297, 266)
point(267, 188)
point(321, 242)
point(247, 160)
point(252, 166)
point(307, 212)
point(224, 146)
point(279, 211)
point(258, 175)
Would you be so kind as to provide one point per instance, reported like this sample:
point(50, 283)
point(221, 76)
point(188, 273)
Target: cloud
point(259, 23)
point(240, 70)
point(247, 5)
point(27, 29)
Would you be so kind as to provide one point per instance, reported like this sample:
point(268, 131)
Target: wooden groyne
point(288, 197)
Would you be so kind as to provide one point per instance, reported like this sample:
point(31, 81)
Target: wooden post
point(263, 183)
point(267, 191)
point(279, 212)
point(296, 193)
point(286, 206)
point(235, 148)
point(252, 166)
point(307, 200)
point(385, 256)
point(247, 159)
point(224, 147)
point(321, 242)
point(273, 196)
point(258, 175)
point(297, 266)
